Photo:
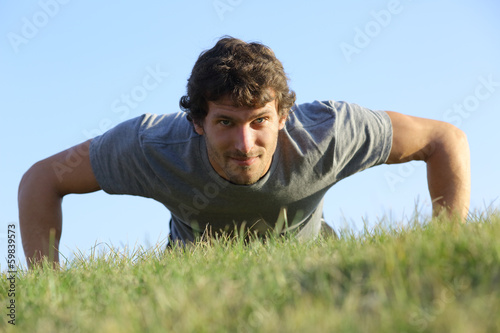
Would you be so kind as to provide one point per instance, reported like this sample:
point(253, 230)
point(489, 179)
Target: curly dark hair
point(249, 73)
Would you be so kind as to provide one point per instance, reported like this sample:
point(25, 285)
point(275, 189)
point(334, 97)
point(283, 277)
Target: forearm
point(445, 149)
point(40, 218)
point(40, 197)
point(448, 176)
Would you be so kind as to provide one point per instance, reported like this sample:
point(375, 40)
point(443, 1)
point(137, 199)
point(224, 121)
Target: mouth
point(244, 161)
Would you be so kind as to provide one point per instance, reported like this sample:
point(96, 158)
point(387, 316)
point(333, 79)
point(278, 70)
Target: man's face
point(241, 141)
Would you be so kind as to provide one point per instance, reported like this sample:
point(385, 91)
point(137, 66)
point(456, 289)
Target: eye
point(260, 120)
point(224, 122)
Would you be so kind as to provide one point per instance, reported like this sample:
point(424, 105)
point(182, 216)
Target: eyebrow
point(226, 117)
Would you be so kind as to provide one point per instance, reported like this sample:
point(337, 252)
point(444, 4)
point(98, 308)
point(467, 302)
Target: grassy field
point(426, 277)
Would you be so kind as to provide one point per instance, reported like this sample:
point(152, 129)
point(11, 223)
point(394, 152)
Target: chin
point(238, 180)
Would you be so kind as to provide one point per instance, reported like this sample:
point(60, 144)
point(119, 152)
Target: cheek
point(267, 140)
point(218, 141)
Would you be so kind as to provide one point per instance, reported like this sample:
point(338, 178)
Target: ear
point(198, 128)
point(282, 121)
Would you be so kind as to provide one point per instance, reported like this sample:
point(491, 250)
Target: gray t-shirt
point(162, 157)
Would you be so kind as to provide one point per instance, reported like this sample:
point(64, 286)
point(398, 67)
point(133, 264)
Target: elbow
point(27, 194)
point(37, 179)
point(27, 179)
point(450, 140)
point(30, 176)
point(457, 141)
point(457, 134)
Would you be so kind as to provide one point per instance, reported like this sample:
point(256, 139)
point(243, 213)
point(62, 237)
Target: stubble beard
point(237, 174)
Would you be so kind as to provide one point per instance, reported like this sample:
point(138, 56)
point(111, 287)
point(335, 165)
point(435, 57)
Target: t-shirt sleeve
point(363, 138)
point(119, 163)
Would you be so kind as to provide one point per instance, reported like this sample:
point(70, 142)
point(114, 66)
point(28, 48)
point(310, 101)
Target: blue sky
point(71, 69)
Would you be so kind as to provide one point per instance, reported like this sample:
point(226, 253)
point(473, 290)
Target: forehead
point(226, 107)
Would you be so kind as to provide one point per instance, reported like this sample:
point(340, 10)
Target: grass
point(425, 277)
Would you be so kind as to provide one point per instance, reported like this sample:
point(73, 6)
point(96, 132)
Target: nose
point(245, 139)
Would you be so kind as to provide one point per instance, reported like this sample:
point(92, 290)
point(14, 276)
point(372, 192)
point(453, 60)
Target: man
point(242, 156)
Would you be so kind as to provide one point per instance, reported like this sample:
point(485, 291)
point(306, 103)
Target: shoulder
point(144, 130)
point(309, 115)
point(319, 113)
point(167, 128)
point(341, 122)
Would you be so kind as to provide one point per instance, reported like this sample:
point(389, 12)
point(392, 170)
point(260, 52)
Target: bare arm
point(40, 196)
point(445, 150)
